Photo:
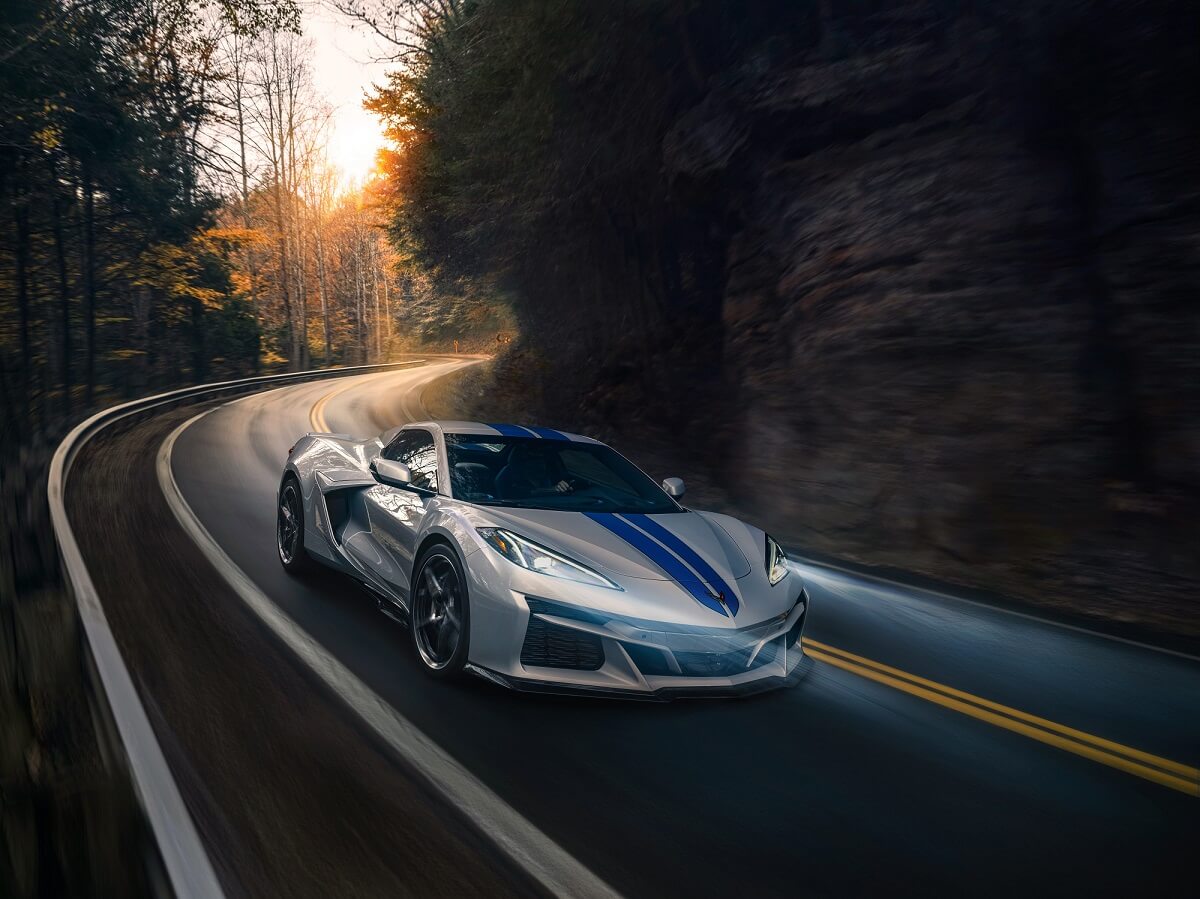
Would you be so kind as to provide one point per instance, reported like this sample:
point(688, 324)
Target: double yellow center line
point(1162, 771)
point(316, 415)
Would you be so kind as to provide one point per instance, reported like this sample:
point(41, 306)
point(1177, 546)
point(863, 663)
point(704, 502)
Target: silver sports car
point(544, 561)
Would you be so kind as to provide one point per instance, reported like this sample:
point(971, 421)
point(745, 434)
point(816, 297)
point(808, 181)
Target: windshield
point(536, 473)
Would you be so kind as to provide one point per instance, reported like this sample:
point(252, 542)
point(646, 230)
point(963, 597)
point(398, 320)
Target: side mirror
point(674, 487)
point(394, 474)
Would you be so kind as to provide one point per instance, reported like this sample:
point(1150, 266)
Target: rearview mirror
point(392, 473)
point(674, 487)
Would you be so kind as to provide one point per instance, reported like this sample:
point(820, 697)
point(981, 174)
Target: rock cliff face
point(958, 321)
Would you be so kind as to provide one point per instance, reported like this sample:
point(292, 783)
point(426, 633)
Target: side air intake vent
point(338, 506)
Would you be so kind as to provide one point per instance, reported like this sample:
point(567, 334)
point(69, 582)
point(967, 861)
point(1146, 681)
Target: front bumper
point(699, 689)
point(567, 649)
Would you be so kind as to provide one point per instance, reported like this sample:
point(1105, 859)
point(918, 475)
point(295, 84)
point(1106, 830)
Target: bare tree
point(290, 122)
point(313, 238)
point(409, 29)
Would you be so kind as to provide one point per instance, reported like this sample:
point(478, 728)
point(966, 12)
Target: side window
point(416, 450)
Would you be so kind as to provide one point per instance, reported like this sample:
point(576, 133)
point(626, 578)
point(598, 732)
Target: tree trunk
point(360, 306)
point(293, 342)
point(64, 303)
point(199, 356)
point(387, 310)
point(278, 151)
point(11, 434)
point(301, 295)
point(379, 348)
point(21, 252)
point(251, 261)
point(324, 297)
point(142, 307)
point(89, 289)
point(358, 327)
point(281, 228)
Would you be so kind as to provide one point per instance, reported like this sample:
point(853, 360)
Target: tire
point(289, 529)
point(439, 618)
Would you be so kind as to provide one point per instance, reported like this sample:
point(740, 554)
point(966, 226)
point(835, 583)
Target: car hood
point(596, 540)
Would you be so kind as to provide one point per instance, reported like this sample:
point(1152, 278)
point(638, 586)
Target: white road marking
point(183, 855)
point(527, 846)
point(187, 864)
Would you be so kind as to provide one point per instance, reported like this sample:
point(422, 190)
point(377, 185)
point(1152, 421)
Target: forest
point(171, 214)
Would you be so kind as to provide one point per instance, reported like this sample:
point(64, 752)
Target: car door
point(396, 514)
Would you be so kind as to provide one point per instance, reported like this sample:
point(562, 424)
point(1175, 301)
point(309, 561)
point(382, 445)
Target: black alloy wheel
point(289, 529)
point(439, 620)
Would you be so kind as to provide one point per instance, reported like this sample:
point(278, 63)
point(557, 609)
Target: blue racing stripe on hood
point(513, 430)
point(549, 433)
point(676, 545)
point(660, 556)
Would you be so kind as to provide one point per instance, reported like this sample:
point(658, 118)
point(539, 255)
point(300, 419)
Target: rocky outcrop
point(960, 317)
point(916, 284)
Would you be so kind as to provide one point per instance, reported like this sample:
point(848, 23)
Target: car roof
point(499, 429)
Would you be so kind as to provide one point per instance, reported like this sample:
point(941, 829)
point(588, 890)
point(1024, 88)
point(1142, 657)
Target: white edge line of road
point(187, 864)
point(182, 852)
point(532, 850)
point(912, 588)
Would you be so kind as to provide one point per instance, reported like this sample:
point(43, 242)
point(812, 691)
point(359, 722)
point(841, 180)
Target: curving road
point(938, 746)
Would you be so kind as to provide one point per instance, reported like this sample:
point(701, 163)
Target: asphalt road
point(937, 746)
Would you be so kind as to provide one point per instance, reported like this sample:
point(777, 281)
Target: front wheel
point(440, 617)
point(289, 529)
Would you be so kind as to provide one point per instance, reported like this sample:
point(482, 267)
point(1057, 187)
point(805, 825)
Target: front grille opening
point(649, 661)
point(718, 664)
point(653, 662)
point(553, 646)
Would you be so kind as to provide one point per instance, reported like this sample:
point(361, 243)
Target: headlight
point(537, 558)
point(776, 562)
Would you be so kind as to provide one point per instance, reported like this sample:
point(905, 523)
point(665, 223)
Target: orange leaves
point(185, 272)
point(232, 239)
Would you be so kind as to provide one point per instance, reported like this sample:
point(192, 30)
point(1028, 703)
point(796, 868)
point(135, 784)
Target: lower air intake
point(551, 646)
point(719, 664)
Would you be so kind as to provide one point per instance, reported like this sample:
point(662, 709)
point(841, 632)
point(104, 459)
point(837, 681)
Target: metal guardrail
point(187, 866)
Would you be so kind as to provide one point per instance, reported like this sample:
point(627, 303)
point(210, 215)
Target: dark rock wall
point(960, 317)
point(929, 295)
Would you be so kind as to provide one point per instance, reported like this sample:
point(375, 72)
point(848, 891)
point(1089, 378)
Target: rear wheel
point(439, 618)
point(289, 529)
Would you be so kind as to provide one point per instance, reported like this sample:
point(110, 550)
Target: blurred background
point(917, 282)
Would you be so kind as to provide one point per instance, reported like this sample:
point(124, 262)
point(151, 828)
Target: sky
point(343, 72)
